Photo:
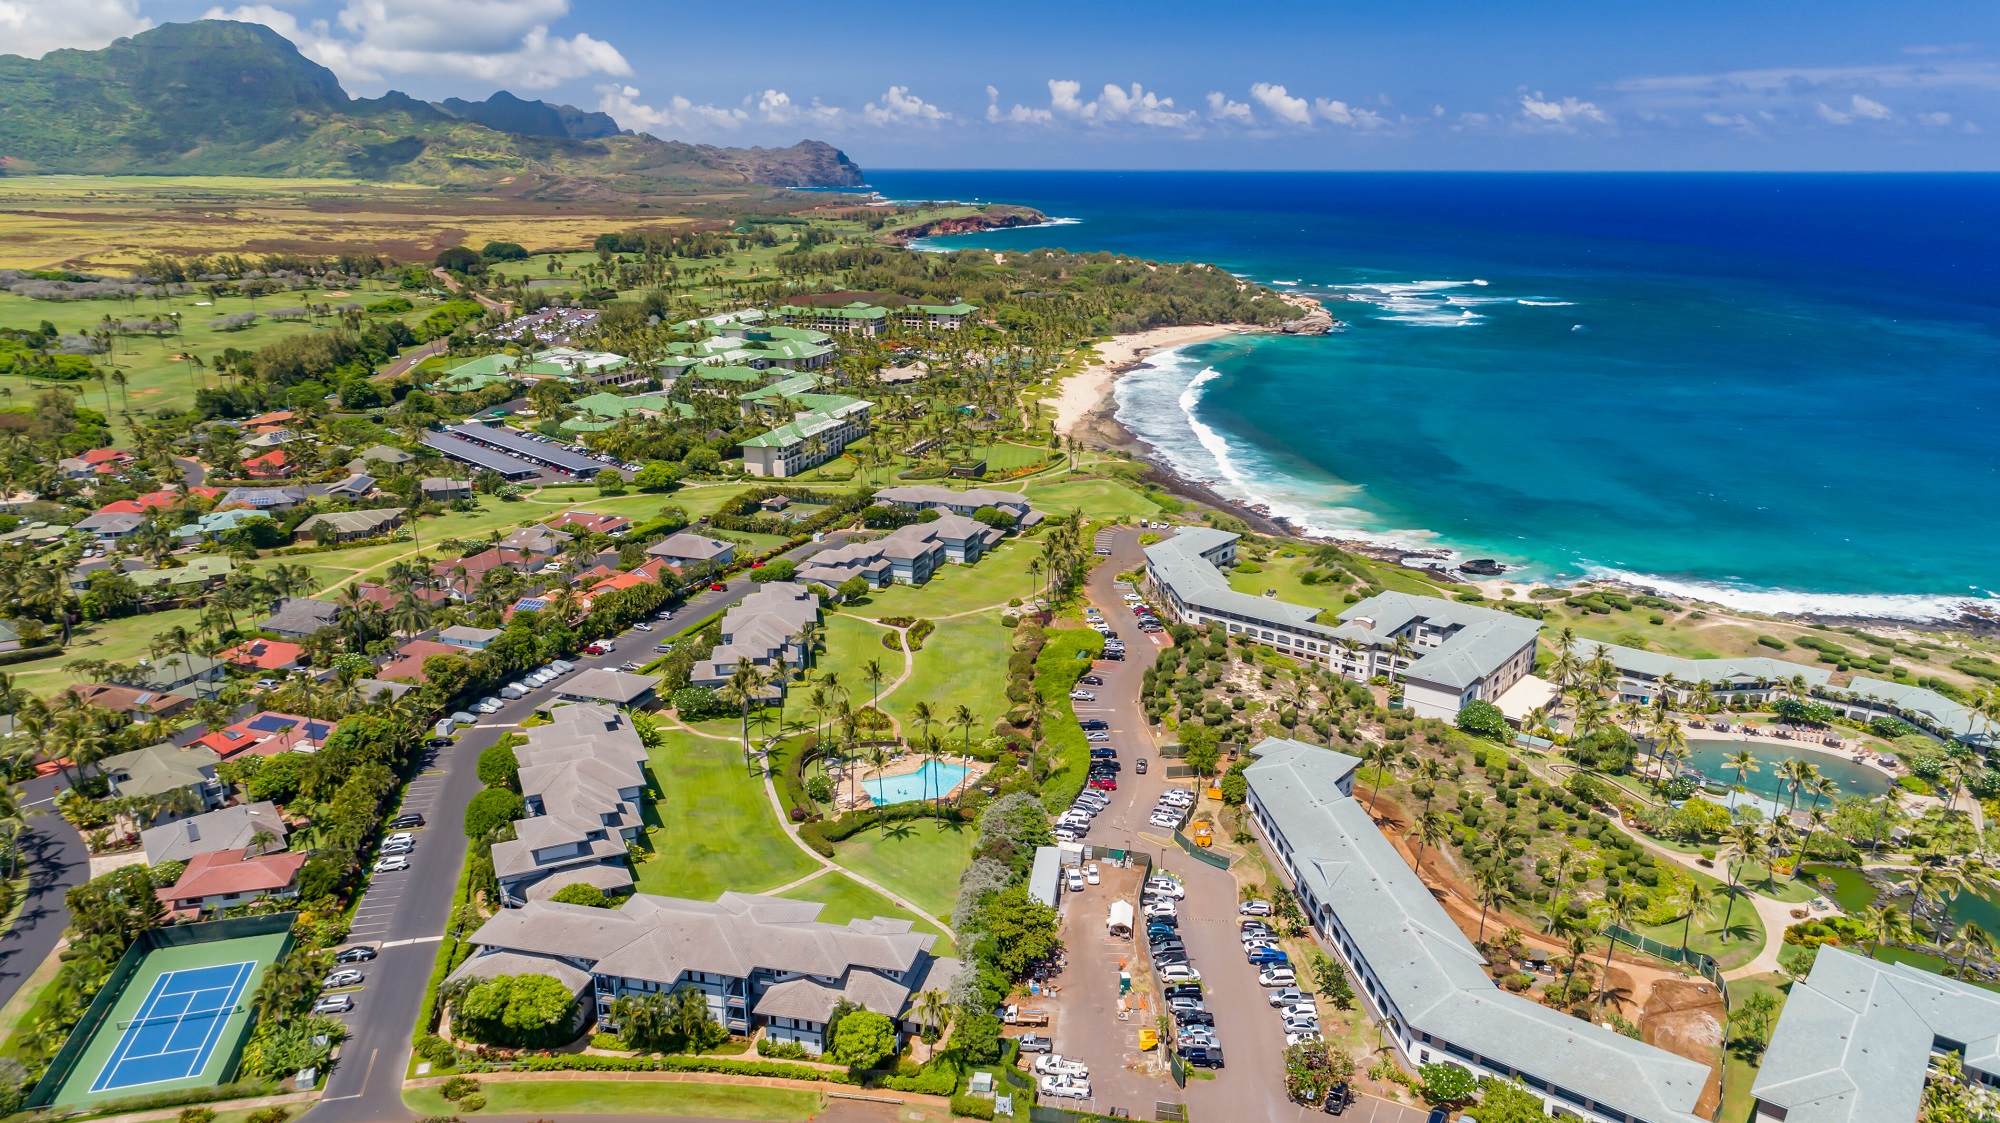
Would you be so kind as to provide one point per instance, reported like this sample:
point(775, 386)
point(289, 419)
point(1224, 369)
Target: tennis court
point(178, 1022)
point(177, 1027)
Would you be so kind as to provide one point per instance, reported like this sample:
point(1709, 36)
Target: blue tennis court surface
point(176, 1029)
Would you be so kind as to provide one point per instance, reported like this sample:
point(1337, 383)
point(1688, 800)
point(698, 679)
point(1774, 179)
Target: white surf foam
point(1546, 303)
point(1748, 598)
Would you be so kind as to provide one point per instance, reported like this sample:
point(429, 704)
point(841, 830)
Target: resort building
point(200, 571)
point(1857, 1039)
point(921, 497)
point(768, 627)
point(946, 317)
point(909, 555)
point(858, 318)
point(601, 411)
point(582, 776)
point(824, 426)
point(440, 489)
point(1418, 973)
point(1760, 679)
point(762, 962)
point(759, 348)
point(1445, 653)
point(598, 368)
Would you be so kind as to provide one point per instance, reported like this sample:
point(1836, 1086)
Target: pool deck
point(908, 764)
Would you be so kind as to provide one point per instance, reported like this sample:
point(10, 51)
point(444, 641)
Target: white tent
point(1119, 923)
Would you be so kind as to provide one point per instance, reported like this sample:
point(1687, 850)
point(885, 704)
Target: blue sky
point(1524, 85)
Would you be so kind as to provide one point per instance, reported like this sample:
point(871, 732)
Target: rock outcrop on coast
point(996, 217)
point(1316, 321)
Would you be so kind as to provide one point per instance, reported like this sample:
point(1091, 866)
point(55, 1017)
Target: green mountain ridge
point(218, 97)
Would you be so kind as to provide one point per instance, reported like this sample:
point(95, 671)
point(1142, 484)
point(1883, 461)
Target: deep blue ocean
point(1777, 391)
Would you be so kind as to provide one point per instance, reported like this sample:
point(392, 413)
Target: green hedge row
point(822, 834)
point(588, 1062)
point(1056, 670)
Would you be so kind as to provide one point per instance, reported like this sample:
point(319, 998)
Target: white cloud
point(1871, 109)
point(776, 107)
point(900, 107)
point(1568, 113)
point(1935, 120)
point(1114, 105)
point(1972, 73)
point(1283, 106)
point(1734, 121)
point(36, 27)
point(1341, 113)
point(506, 42)
point(1221, 108)
point(678, 115)
point(1834, 116)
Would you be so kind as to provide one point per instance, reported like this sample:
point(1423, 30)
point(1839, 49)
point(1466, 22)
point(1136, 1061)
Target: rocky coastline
point(996, 217)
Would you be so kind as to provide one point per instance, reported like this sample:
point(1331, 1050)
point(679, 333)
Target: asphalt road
point(405, 913)
point(57, 862)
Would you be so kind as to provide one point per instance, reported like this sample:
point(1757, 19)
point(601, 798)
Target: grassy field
point(990, 583)
point(963, 663)
point(920, 860)
point(1738, 1074)
point(713, 829)
point(1742, 943)
point(1282, 574)
point(847, 899)
point(1099, 500)
point(607, 1097)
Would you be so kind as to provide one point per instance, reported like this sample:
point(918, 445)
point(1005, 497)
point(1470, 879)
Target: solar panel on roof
point(479, 456)
point(511, 441)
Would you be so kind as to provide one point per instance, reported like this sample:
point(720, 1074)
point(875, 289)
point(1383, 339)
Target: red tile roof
point(264, 654)
point(408, 665)
point(274, 418)
point(166, 498)
point(274, 462)
point(593, 522)
point(622, 581)
point(106, 456)
point(262, 735)
point(122, 507)
point(233, 871)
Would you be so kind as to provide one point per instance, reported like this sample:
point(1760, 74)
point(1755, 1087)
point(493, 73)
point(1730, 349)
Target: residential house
point(139, 705)
point(346, 526)
point(213, 525)
point(373, 689)
point(920, 497)
point(172, 672)
point(591, 523)
point(96, 462)
point(910, 554)
point(273, 465)
point(767, 627)
point(390, 598)
point(541, 541)
point(439, 489)
point(299, 617)
point(407, 665)
point(225, 828)
point(602, 684)
point(378, 454)
point(582, 776)
point(762, 963)
point(222, 879)
point(475, 567)
point(468, 638)
point(685, 549)
point(265, 655)
point(353, 489)
point(10, 637)
point(115, 526)
point(79, 577)
point(159, 769)
point(283, 497)
point(267, 734)
point(196, 572)
point(1425, 984)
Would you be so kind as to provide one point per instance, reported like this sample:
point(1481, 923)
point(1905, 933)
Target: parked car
point(1184, 973)
point(1090, 874)
point(1065, 1087)
point(1195, 1018)
point(561, 666)
point(399, 837)
point(643, 626)
point(1139, 766)
point(334, 1004)
point(1268, 957)
point(463, 718)
point(1035, 1043)
point(1064, 834)
point(355, 955)
point(1082, 696)
point(1206, 1056)
point(1055, 1064)
point(1104, 783)
point(1288, 996)
point(1093, 723)
point(717, 587)
point(408, 820)
point(1075, 880)
point(347, 978)
point(1090, 680)
point(513, 690)
point(395, 863)
point(391, 848)
point(1097, 736)
point(1292, 1039)
point(1182, 990)
point(1254, 908)
point(1277, 977)
point(1167, 886)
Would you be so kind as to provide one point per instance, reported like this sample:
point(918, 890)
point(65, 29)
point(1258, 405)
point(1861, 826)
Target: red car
point(1104, 784)
point(756, 565)
point(718, 586)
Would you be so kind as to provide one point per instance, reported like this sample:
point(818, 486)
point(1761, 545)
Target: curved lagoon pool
point(1711, 758)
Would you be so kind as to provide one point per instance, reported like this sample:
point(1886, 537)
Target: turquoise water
point(1711, 757)
point(1774, 391)
point(934, 780)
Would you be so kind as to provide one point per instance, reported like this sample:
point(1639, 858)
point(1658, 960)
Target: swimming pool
point(933, 781)
point(1711, 757)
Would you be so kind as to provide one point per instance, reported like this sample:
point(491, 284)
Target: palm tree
point(742, 689)
point(1622, 907)
point(1743, 763)
point(1697, 897)
point(1887, 924)
point(872, 671)
point(1431, 831)
point(964, 718)
point(1972, 939)
point(933, 1009)
point(1379, 754)
point(1746, 845)
point(1495, 892)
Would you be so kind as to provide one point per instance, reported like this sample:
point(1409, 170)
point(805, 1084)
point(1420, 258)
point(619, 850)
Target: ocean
point(1777, 392)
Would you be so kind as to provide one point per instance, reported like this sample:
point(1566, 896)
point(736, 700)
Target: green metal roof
point(794, 432)
point(960, 309)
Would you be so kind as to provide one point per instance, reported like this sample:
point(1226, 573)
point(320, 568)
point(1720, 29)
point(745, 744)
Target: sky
point(1525, 85)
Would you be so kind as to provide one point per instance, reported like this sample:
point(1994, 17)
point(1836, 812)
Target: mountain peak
point(510, 114)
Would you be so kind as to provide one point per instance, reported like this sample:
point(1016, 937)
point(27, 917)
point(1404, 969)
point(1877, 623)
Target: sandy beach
point(1086, 390)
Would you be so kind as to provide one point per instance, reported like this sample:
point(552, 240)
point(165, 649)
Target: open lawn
point(1282, 574)
point(1739, 1074)
point(713, 828)
point(608, 1097)
point(991, 582)
point(752, 542)
point(847, 899)
point(1732, 949)
point(920, 860)
point(1099, 500)
point(963, 663)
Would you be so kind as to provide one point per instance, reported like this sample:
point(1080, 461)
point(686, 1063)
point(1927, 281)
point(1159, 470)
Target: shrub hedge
point(590, 1062)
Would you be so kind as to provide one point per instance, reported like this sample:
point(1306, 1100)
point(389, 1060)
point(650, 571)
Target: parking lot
point(1088, 1023)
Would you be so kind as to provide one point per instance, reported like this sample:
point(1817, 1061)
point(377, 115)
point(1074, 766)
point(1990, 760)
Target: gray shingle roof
point(691, 546)
point(1721, 672)
point(605, 685)
point(229, 828)
point(1854, 1042)
point(1430, 971)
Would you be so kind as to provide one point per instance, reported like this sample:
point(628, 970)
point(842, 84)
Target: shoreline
point(1087, 412)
